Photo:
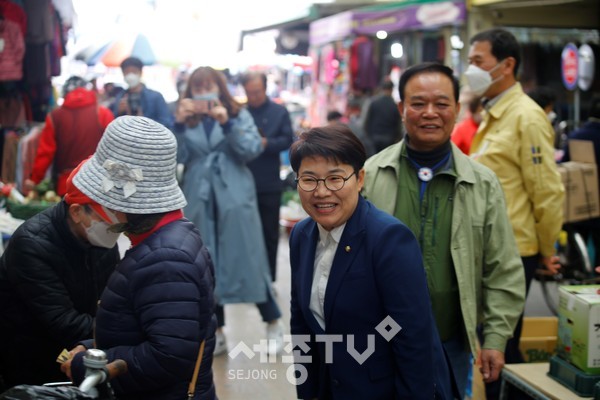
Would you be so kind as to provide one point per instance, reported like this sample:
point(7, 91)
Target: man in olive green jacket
point(456, 209)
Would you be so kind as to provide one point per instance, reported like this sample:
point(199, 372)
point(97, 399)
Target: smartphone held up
point(203, 103)
point(202, 107)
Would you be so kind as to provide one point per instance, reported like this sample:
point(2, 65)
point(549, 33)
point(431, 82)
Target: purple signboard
point(429, 15)
point(422, 16)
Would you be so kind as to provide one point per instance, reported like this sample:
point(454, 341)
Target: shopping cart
point(94, 386)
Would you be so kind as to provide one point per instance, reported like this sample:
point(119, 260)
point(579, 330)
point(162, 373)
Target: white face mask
point(480, 80)
point(132, 79)
point(99, 235)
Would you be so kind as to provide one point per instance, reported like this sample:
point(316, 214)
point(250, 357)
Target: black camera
point(134, 100)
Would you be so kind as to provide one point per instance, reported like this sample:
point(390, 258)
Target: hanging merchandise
point(15, 13)
point(12, 51)
point(330, 65)
point(359, 70)
point(12, 107)
point(363, 69)
point(40, 21)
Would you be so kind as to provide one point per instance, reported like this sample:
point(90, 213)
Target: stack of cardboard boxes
point(580, 179)
point(577, 364)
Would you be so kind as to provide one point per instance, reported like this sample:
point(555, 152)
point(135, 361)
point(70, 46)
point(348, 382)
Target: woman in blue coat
point(217, 137)
point(359, 293)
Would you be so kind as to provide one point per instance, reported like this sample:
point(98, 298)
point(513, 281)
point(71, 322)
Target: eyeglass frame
point(297, 180)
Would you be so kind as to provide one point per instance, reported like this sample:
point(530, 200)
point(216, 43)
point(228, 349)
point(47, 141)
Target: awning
point(115, 51)
point(297, 25)
point(521, 3)
point(390, 17)
point(564, 14)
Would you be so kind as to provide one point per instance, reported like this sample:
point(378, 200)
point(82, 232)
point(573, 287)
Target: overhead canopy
point(294, 28)
point(568, 14)
point(389, 17)
point(113, 52)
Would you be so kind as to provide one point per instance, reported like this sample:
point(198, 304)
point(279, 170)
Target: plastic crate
point(572, 377)
point(26, 211)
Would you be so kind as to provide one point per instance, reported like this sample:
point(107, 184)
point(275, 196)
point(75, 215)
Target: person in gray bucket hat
point(133, 168)
point(157, 311)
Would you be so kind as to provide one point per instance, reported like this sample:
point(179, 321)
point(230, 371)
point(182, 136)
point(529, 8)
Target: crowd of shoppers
point(441, 245)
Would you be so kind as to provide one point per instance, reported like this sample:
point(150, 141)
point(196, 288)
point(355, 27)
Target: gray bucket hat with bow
point(133, 168)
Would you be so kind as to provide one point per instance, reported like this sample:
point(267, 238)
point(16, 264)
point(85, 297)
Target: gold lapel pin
point(348, 249)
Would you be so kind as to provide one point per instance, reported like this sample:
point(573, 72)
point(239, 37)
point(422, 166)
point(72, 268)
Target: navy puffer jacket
point(157, 308)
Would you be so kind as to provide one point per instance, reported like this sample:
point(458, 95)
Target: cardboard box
point(579, 326)
point(580, 179)
point(538, 338)
point(581, 191)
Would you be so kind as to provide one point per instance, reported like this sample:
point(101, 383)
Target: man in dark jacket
point(138, 99)
point(383, 124)
point(274, 124)
point(51, 277)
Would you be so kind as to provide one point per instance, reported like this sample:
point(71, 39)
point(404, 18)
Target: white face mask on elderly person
point(91, 222)
point(99, 234)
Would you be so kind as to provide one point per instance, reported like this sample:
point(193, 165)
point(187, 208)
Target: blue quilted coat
point(157, 308)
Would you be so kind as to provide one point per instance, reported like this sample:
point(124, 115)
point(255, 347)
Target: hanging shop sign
point(331, 28)
point(587, 67)
point(413, 15)
point(422, 16)
point(569, 66)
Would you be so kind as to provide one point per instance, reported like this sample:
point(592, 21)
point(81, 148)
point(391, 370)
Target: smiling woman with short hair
point(355, 272)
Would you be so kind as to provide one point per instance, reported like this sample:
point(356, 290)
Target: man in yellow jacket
point(515, 140)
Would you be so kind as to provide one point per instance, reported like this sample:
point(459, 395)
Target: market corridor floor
point(242, 378)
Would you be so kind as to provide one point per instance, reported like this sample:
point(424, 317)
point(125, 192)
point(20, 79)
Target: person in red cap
point(70, 135)
point(52, 273)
